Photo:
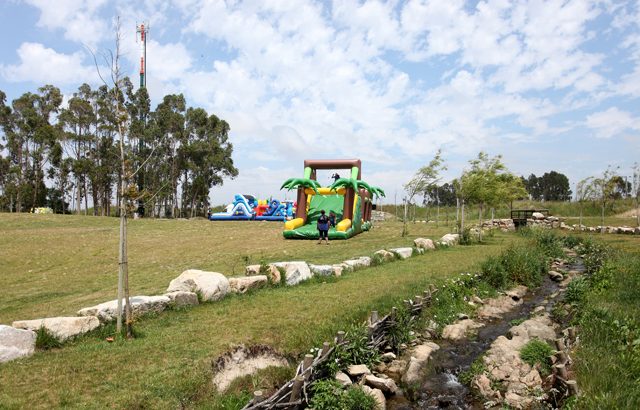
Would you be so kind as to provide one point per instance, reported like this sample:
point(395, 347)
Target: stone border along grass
point(380, 332)
point(190, 288)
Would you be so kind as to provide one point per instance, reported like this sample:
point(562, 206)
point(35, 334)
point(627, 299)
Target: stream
point(440, 388)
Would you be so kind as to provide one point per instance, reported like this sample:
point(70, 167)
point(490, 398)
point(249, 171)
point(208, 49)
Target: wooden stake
point(560, 345)
point(394, 313)
point(306, 364)
point(374, 317)
point(325, 349)
point(432, 287)
point(296, 389)
point(572, 333)
point(419, 299)
point(561, 370)
point(572, 387)
point(340, 337)
point(257, 396)
point(562, 357)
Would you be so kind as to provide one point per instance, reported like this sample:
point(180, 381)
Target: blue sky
point(550, 85)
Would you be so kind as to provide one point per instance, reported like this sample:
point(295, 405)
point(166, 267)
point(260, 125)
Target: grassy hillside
point(169, 365)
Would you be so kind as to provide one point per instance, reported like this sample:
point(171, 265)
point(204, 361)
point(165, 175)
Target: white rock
point(358, 263)
point(356, 370)
point(378, 396)
point(385, 255)
point(424, 243)
point(182, 299)
point(419, 357)
point(450, 239)
point(556, 276)
point(387, 357)
point(271, 271)
point(459, 330)
point(140, 305)
point(321, 270)
point(343, 379)
point(16, 343)
point(62, 328)
point(387, 386)
point(337, 270)
point(404, 253)
point(243, 283)
point(295, 272)
point(537, 215)
point(211, 286)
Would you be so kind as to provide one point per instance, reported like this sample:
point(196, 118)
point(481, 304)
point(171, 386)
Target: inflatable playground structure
point(248, 208)
point(350, 199)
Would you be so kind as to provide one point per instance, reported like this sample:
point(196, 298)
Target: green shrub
point(476, 368)
point(571, 241)
point(548, 242)
point(576, 290)
point(537, 352)
point(355, 351)
point(494, 272)
point(399, 331)
point(329, 395)
point(45, 340)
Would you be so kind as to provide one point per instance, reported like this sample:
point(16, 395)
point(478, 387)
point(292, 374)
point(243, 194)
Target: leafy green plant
point(355, 351)
point(329, 395)
point(576, 290)
point(548, 242)
point(476, 368)
point(516, 322)
point(46, 340)
point(400, 330)
point(537, 353)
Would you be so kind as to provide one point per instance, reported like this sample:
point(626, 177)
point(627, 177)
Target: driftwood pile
point(295, 392)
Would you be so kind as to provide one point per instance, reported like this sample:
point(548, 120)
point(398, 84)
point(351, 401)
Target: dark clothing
point(324, 234)
point(332, 221)
point(323, 223)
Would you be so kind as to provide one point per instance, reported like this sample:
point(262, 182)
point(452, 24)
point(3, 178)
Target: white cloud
point(79, 20)
point(612, 122)
point(43, 65)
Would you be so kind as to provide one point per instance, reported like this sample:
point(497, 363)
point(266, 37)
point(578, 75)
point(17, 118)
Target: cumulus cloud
point(612, 122)
point(43, 65)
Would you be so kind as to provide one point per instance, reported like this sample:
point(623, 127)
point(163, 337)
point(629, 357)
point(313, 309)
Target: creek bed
point(440, 388)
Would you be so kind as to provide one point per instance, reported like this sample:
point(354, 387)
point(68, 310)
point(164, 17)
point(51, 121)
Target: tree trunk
point(480, 230)
point(404, 220)
point(86, 197)
point(462, 218)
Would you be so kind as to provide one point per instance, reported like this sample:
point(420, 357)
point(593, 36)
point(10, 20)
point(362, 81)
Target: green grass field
point(54, 265)
point(73, 263)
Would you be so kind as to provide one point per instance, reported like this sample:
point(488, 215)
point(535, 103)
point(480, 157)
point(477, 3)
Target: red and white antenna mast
point(143, 30)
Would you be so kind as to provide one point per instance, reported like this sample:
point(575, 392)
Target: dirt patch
point(242, 361)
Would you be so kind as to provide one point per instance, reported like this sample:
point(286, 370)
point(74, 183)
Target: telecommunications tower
point(143, 30)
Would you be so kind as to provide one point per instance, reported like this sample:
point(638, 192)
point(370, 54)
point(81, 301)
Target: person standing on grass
point(332, 219)
point(323, 227)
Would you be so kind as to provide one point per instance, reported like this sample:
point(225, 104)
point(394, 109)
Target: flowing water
point(440, 388)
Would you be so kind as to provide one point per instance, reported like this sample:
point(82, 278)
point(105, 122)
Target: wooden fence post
point(340, 337)
point(297, 388)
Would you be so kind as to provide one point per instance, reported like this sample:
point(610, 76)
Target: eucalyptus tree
point(584, 192)
point(635, 189)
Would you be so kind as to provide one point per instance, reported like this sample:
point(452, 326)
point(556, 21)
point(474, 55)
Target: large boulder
point(537, 215)
point(424, 243)
point(321, 270)
point(243, 283)
point(450, 239)
point(211, 286)
point(16, 343)
point(62, 328)
point(384, 255)
point(140, 305)
point(403, 253)
point(358, 263)
point(459, 330)
point(271, 271)
point(295, 272)
point(387, 386)
point(419, 357)
point(378, 396)
point(181, 299)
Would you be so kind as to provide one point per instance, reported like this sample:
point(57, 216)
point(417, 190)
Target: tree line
point(54, 155)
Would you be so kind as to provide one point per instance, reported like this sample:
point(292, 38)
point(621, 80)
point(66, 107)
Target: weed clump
point(329, 395)
point(519, 264)
point(46, 340)
point(538, 353)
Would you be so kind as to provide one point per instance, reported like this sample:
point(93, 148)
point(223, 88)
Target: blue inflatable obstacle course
point(277, 211)
point(240, 210)
point(247, 208)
